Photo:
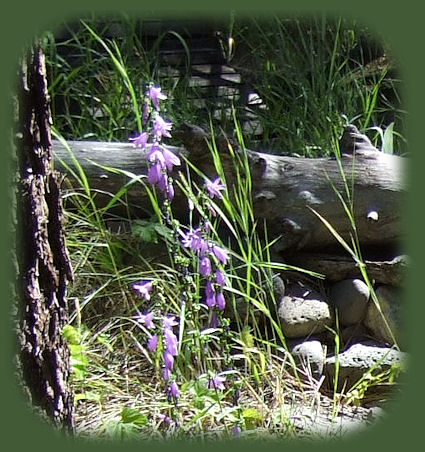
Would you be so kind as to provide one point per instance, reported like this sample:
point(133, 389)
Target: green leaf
point(252, 417)
point(388, 140)
point(88, 395)
point(71, 334)
point(133, 416)
point(145, 230)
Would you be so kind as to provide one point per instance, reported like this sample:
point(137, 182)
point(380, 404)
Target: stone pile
point(344, 324)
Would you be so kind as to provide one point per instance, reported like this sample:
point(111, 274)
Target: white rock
point(303, 312)
point(311, 355)
point(349, 298)
point(359, 359)
point(390, 304)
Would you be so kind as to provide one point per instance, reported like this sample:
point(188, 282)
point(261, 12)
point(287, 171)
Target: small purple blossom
point(144, 289)
point(193, 240)
point(220, 301)
point(156, 176)
point(169, 322)
point(237, 430)
point(205, 266)
point(214, 188)
point(164, 156)
point(215, 321)
point(146, 319)
point(155, 95)
point(170, 159)
point(141, 140)
point(166, 374)
point(216, 382)
point(165, 418)
point(209, 288)
point(210, 296)
point(171, 341)
point(168, 360)
point(173, 389)
point(153, 343)
point(221, 254)
point(161, 128)
point(220, 278)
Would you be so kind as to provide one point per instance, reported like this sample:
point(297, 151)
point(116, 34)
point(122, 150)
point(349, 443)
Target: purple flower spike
point(216, 382)
point(155, 95)
point(153, 343)
point(141, 140)
point(205, 266)
point(214, 188)
point(144, 289)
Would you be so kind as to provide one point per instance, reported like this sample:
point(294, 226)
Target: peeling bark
point(43, 265)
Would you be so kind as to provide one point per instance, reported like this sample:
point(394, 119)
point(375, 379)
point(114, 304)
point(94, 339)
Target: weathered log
point(286, 190)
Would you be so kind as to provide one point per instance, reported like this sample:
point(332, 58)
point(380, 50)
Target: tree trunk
point(43, 266)
point(285, 191)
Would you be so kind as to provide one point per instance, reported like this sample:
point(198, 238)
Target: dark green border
point(402, 26)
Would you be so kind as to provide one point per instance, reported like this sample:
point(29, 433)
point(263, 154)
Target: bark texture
point(43, 266)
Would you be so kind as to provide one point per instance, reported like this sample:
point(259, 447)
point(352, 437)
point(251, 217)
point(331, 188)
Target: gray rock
point(303, 312)
point(390, 304)
point(311, 356)
point(349, 298)
point(359, 359)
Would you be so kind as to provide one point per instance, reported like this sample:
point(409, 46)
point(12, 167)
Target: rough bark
point(285, 192)
point(43, 264)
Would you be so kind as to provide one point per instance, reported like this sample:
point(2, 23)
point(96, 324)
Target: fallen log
point(337, 267)
point(288, 192)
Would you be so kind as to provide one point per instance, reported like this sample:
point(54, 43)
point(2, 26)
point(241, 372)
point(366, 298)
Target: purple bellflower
point(168, 360)
point(214, 188)
point(173, 389)
point(221, 254)
point(210, 296)
point(155, 95)
point(220, 301)
point(144, 289)
point(171, 341)
point(153, 343)
point(146, 319)
point(161, 128)
point(220, 278)
point(141, 140)
point(205, 266)
point(169, 322)
point(216, 382)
